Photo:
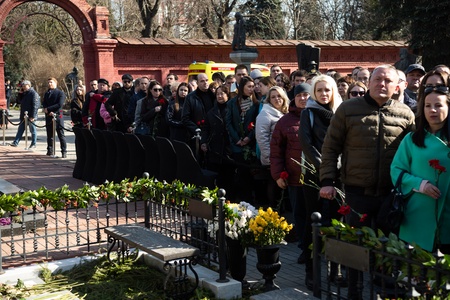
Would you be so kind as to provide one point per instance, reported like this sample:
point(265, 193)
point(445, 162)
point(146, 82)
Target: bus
point(210, 67)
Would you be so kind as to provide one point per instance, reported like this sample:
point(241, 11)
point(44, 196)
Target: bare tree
point(148, 12)
point(127, 19)
point(303, 20)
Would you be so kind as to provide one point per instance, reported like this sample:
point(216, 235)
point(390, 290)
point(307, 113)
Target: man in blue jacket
point(53, 104)
point(29, 103)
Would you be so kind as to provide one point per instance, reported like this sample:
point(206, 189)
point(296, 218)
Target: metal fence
point(400, 273)
point(41, 234)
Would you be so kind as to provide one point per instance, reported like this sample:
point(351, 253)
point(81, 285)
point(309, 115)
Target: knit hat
point(26, 82)
point(104, 81)
point(127, 77)
point(302, 88)
point(256, 73)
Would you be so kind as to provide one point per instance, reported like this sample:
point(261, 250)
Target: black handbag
point(392, 209)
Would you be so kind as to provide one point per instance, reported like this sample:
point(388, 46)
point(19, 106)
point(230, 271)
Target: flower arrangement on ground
point(268, 228)
point(237, 217)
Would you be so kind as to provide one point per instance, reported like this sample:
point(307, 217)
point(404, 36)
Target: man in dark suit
point(53, 104)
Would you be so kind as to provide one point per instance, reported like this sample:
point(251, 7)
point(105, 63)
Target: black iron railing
point(392, 274)
point(46, 234)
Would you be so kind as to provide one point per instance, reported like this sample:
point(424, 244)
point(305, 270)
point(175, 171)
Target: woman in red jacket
point(284, 145)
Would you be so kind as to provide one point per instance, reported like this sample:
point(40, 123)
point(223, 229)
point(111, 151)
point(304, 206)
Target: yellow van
point(210, 67)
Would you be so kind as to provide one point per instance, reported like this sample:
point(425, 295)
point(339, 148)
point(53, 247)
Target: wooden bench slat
point(154, 243)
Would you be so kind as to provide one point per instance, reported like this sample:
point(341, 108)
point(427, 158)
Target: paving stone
point(283, 294)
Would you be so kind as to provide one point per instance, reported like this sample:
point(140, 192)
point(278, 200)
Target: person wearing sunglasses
point(423, 155)
point(434, 81)
point(153, 110)
point(117, 105)
point(356, 89)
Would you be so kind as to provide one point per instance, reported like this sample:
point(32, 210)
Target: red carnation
point(433, 163)
point(161, 102)
point(284, 175)
point(363, 218)
point(202, 122)
point(250, 126)
point(344, 210)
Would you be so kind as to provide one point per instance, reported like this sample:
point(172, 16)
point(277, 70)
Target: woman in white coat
point(275, 106)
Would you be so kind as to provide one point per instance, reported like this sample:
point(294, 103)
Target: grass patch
point(99, 279)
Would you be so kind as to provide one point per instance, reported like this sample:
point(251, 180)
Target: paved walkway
point(30, 170)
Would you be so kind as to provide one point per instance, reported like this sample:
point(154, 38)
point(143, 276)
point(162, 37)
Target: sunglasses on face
point(126, 81)
point(441, 89)
point(356, 94)
point(157, 90)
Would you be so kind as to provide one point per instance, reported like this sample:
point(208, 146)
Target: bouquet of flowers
point(237, 217)
point(268, 228)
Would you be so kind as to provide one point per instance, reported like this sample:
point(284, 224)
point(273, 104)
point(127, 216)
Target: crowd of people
point(344, 129)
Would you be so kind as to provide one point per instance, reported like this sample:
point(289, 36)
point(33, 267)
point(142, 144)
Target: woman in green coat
point(424, 155)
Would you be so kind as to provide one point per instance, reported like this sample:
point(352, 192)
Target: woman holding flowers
point(240, 123)
point(284, 145)
point(153, 111)
point(424, 156)
point(315, 119)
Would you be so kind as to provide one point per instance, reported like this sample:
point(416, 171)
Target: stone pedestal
point(242, 57)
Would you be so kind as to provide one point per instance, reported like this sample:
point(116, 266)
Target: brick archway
point(97, 45)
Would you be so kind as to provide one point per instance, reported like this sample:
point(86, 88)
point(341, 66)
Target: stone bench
point(178, 256)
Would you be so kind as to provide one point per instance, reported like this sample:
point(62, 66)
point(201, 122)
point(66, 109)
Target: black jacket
point(117, 105)
point(196, 105)
point(54, 100)
point(215, 135)
point(155, 120)
point(311, 138)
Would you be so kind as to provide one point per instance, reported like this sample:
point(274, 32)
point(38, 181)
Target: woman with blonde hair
point(314, 120)
point(275, 106)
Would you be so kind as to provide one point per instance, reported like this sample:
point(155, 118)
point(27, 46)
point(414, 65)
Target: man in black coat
point(196, 105)
point(29, 103)
point(117, 105)
point(53, 104)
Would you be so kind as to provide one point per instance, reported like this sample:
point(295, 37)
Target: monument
point(405, 60)
point(242, 55)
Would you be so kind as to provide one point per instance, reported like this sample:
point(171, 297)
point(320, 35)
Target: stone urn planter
point(268, 264)
point(236, 259)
